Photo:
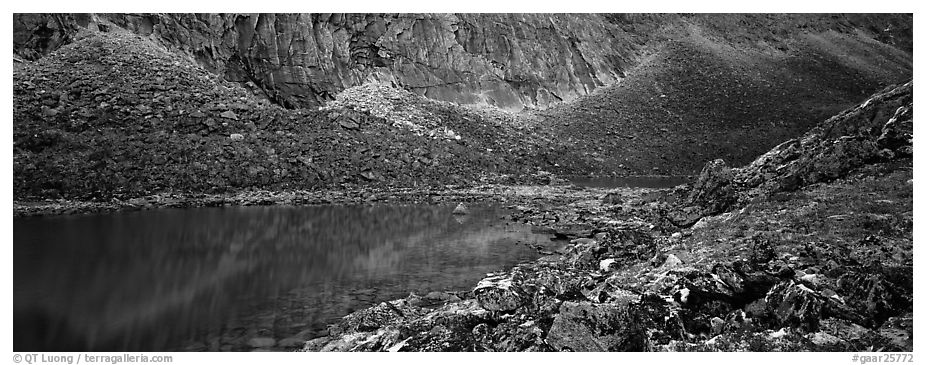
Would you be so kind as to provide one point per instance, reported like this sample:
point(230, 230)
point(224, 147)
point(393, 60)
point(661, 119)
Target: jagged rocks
point(377, 317)
point(498, 294)
point(712, 193)
point(583, 254)
point(795, 305)
point(897, 133)
point(877, 291)
point(587, 326)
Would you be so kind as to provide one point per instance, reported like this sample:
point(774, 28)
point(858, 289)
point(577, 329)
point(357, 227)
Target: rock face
point(513, 61)
point(509, 60)
point(37, 34)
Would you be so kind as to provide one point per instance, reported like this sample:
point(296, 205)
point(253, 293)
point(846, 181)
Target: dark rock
point(498, 294)
point(795, 305)
point(897, 131)
point(573, 230)
point(347, 124)
point(587, 326)
point(583, 255)
point(378, 316)
point(685, 216)
point(713, 191)
point(877, 292)
point(899, 330)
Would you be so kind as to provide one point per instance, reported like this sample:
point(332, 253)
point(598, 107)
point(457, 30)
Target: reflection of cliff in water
point(151, 280)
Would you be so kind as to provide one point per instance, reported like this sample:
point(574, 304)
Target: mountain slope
point(879, 130)
point(702, 96)
point(129, 107)
point(114, 115)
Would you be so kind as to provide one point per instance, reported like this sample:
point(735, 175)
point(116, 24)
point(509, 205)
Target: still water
point(215, 278)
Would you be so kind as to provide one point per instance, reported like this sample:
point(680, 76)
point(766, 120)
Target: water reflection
point(214, 278)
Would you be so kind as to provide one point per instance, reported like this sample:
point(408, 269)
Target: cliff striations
point(513, 61)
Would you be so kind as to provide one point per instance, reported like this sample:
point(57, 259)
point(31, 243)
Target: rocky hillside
point(508, 60)
point(718, 91)
point(120, 105)
point(878, 130)
point(114, 115)
point(814, 253)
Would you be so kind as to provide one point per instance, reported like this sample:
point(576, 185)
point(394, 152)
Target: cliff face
point(509, 60)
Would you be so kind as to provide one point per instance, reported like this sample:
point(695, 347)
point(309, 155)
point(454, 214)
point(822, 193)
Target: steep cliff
point(508, 60)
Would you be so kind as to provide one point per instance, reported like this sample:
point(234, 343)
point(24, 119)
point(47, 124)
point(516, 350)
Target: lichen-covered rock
point(379, 316)
point(498, 293)
point(795, 305)
point(587, 326)
point(899, 330)
point(713, 191)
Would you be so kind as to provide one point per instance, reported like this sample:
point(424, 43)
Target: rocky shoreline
point(761, 278)
point(489, 193)
point(808, 248)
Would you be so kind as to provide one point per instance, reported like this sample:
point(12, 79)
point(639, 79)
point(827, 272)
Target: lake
point(213, 279)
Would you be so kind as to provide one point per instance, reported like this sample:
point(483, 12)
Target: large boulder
point(584, 326)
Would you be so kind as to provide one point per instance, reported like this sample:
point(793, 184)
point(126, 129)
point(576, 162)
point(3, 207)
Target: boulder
point(584, 326)
point(498, 294)
point(795, 305)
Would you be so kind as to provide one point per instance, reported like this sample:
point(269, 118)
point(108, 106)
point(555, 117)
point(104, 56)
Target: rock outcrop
point(879, 129)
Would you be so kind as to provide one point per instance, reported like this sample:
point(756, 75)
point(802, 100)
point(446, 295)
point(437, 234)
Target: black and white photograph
point(461, 182)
